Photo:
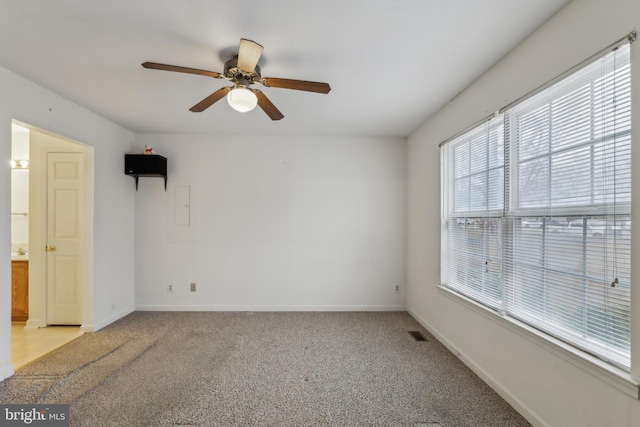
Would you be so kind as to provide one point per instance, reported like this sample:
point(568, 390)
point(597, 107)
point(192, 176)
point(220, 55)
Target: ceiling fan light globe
point(242, 99)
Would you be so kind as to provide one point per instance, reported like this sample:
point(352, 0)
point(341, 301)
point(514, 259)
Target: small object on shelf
point(148, 150)
point(146, 165)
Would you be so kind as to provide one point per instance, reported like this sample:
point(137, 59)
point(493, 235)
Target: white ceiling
point(390, 64)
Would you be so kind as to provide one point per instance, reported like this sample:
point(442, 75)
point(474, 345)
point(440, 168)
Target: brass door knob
point(50, 248)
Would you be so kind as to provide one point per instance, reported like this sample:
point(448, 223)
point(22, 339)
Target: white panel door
point(64, 239)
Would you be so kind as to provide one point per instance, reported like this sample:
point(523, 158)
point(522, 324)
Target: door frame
point(40, 144)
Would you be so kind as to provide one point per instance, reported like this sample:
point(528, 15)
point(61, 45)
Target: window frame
point(509, 214)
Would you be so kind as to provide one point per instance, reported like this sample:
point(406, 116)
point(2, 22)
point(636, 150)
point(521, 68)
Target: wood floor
point(29, 344)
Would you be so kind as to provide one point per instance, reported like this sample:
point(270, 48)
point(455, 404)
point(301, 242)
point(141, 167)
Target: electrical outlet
point(170, 288)
point(397, 289)
point(193, 286)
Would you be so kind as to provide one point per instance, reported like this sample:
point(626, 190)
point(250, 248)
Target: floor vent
point(417, 336)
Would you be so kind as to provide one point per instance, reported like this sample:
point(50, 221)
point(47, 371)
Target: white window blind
point(473, 224)
point(536, 209)
point(570, 193)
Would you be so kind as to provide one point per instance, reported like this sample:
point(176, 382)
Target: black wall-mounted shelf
point(146, 165)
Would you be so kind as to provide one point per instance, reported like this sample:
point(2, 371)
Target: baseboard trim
point(6, 371)
point(33, 324)
point(516, 403)
point(106, 322)
point(160, 307)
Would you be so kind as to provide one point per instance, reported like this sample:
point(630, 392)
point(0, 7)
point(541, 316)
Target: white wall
point(19, 206)
point(113, 237)
point(548, 385)
point(20, 192)
point(277, 223)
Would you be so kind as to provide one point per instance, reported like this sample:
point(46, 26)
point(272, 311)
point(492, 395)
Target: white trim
point(516, 403)
point(609, 374)
point(635, 208)
point(33, 324)
point(88, 327)
point(162, 307)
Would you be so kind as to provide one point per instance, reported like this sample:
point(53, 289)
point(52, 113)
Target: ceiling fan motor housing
point(235, 74)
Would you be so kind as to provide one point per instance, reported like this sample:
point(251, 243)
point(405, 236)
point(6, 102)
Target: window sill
point(611, 375)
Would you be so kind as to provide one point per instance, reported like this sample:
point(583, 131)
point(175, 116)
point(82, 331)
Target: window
point(536, 209)
point(475, 207)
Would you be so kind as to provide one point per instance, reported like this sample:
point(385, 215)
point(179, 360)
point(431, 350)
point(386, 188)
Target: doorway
point(74, 304)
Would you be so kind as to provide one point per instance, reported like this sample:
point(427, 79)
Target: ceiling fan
point(243, 71)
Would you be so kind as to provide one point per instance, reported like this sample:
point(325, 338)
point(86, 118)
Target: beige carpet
point(260, 369)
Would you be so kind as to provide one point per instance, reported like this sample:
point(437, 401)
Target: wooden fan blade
point(210, 100)
point(267, 106)
point(176, 68)
point(249, 55)
point(296, 84)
